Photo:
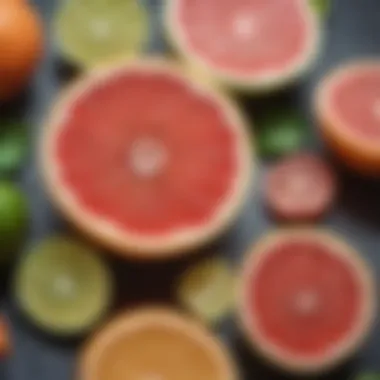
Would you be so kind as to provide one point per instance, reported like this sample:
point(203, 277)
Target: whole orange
point(21, 44)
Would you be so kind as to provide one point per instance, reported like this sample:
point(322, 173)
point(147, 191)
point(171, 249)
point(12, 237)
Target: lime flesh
point(63, 286)
point(90, 33)
point(208, 289)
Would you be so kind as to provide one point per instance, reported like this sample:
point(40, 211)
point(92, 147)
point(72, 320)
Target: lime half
point(95, 32)
point(208, 289)
point(63, 286)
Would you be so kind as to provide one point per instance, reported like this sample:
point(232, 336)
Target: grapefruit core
point(146, 160)
point(306, 299)
point(155, 344)
point(347, 105)
point(254, 45)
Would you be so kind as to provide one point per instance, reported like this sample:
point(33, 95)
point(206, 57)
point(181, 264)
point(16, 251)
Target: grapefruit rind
point(107, 234)
point(158, 316)
point(359, 153)
point(342, 351)
point(260, 84)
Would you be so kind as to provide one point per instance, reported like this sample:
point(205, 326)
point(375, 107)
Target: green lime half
point(63, 286)
point(208, 289)
point(94, 32)
point(368, 376)
point(14, 218)
point(281, 133)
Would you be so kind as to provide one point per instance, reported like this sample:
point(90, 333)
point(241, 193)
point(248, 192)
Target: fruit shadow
point(358, 195)
point(66, 71)
point(253, 366)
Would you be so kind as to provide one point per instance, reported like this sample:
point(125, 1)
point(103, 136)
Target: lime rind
point(208, 290)
point(368, 376)
point(90, 34)
point(63, 286)
point(321, 7)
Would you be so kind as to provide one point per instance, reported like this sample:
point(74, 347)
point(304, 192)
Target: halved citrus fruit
point(93, 32)
point(300, 188)
point(348, 109)
point(306, 299)
point(63, 286)
point(208, 289)
point(252, 45)
point(147, 160)
point(153, 344)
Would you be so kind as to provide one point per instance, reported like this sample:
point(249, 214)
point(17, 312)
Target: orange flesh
point(304, 299)
point(156, 353)
point(147, 153)
point(248, 38)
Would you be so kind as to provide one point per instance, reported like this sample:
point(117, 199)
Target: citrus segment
point(254, 45)
point(63, 286)
point(301, 187)
point(307, 299)
point(145, 159)
point(154, 344)
point(348, 109)
point(207, 289)
point(91, 33)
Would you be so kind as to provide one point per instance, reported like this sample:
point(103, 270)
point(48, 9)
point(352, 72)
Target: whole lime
point(14, 215)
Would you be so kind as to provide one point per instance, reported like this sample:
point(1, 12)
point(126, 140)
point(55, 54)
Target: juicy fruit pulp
point(158, 344)
point(148, 160)
point(260, 43)
point(208, 289)
point(63, 286)
point(301, 187)
point(93, 32)
point(308, 300)
point(348, 108)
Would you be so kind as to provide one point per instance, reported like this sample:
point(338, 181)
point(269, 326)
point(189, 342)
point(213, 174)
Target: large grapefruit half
point(155, 344)
point(145, 159)
point(255, 45)
point(347, 105)
point(306, 299)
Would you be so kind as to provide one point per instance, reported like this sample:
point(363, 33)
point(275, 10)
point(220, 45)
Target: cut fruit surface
point(63, 286)
point(152, 344)
point(307, 300)
point(300, 188)
point(348, 108)
point(208, 289)
point(253, 45)
point(146, 160)
point(93, 32)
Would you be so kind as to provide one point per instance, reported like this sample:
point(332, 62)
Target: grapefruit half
point(347, 105)
point(145, 159)
point(306, 299)
point(255, 45)
point(155, 344)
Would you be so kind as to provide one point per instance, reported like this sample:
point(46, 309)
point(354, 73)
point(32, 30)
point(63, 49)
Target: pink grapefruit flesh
point(300, 188)
point(307, 299)
point(146, 159)
point(256, 43)
point(348, 108)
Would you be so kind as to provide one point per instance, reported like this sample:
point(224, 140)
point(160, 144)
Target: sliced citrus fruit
point(146, 160)
point(63, 286)
point(155, 343)
point(306, 299)
point(251, 45)
point(93, 32)
point(300, 188)
point(208, 289)
point(348, 109)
